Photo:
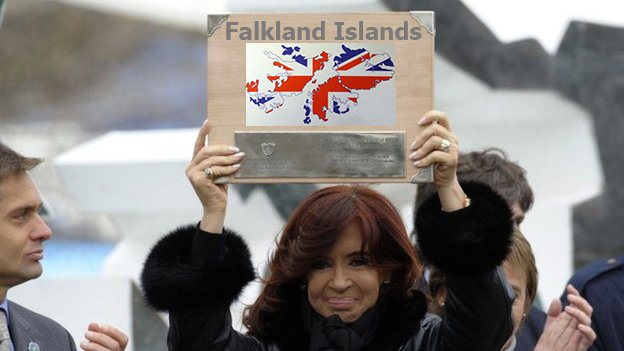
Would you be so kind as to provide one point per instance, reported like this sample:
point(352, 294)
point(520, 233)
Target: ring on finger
point(445, 145)
point(209, 173)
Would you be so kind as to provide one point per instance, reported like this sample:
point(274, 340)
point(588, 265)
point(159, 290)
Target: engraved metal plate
point(321, 154)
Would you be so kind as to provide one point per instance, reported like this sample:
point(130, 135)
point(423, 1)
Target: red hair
point(313, 229)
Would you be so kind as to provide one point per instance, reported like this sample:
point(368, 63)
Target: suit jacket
point(27, 327)
point(602, 284)
point(531, 330)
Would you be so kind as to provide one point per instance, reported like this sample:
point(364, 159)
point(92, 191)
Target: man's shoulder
point(35, 319)
point(597, 271)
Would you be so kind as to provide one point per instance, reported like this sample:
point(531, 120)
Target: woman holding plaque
point(343, 271)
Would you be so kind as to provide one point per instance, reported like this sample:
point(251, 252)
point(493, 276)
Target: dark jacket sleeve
point(468, 245)
point(196, 277)
point(531, 330)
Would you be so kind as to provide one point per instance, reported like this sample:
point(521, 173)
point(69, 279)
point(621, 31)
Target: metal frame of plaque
point(321, 98)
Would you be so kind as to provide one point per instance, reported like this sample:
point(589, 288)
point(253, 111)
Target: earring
point(386, 282)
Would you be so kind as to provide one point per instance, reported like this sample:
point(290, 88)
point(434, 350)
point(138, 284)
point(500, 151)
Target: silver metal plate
point(214, 22)
point(321, 154)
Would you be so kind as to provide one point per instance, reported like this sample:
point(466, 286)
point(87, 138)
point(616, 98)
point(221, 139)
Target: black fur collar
point(399, 321)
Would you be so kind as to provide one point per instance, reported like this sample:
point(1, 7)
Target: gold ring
point(445, 145)
point(209, 174)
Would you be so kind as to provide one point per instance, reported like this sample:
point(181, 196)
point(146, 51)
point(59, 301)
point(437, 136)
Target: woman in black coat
point(343, 271)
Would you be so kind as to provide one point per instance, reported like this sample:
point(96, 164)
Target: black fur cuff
point(170, 282)
point(470, 241)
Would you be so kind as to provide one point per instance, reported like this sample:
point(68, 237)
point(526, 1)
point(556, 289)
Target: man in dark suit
point(31, 331)
point(22, 233)
point(601, 283)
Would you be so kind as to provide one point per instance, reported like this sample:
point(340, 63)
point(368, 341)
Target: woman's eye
point(360, 261)
point(320, 264)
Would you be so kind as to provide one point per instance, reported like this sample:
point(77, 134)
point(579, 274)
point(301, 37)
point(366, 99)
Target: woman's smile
point(342, 303)
point(344, 282)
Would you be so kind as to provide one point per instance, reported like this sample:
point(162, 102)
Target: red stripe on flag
point(252, 87)
point(362, 83)
point(321, 96)
point(281, 65)
point(292, 84)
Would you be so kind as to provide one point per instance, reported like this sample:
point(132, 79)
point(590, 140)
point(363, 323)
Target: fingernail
point(205, 121)
point(417, 163)
point(239, 155)
point(422, 120)
point(412, 156)
point(413, 145)
point(89, 334)
point(234, 149)
point(236, 166)
point(84, 344)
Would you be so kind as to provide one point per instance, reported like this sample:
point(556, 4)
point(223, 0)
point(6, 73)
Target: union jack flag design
point(331, 84)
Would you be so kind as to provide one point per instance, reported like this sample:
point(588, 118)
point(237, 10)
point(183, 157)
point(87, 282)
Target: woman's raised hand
point(210, 162)
point(436, 144)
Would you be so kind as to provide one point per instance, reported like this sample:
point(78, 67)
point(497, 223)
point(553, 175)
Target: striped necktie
point(4, 332)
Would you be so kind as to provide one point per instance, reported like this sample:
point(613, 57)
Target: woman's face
point(343, 282)
point(518, 283)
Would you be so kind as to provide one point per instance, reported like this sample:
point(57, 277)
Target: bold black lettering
point(415, 33)
point(384, 30)
point(339, 30)
point(361, 29)
point(229, 29)
point(322, 29)
point(403, 30)
point(266, 32)
point(351, 33)
point(245, 33)
point(289, 33)
point(371, 33)
point(303, 29)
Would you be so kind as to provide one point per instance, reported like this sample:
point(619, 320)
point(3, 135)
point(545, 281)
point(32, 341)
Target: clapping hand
point(102, 337)
point(568, 329)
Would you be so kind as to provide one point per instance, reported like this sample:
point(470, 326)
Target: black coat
point(468, 245)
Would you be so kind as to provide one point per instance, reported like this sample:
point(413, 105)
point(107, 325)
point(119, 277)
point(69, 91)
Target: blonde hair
point(522, 261)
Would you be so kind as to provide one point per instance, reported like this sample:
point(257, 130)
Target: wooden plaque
point(321, 98)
